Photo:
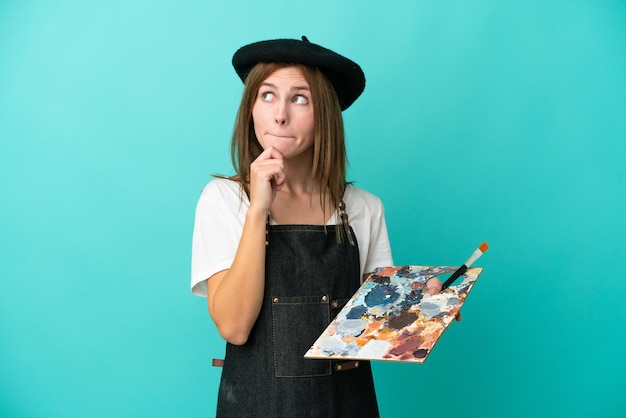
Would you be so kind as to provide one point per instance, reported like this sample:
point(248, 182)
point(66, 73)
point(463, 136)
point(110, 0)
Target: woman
point(282, 245)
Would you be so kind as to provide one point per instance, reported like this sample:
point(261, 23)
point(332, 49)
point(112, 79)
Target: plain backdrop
point(483, 120)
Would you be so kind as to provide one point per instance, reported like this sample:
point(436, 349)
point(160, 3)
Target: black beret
point(345, 75)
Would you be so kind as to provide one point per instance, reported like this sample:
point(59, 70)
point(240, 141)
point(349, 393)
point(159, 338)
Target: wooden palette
point(392, 317)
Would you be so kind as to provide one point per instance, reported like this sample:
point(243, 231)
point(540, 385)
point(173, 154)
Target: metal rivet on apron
point(338, 367)
point(324, 298)
point(275, 300)
point(334, 304)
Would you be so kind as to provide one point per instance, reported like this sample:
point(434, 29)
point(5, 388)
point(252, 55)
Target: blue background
point(481, 121)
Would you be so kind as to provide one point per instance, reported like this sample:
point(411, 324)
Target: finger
point(267, 168)
point(434, 286)
point(279, 180)
point(269, 164)
point(272, 171)
point(458, 317)
point(270, 154)
point(267, 176)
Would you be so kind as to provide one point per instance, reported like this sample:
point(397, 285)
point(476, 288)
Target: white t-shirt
point(221, 212)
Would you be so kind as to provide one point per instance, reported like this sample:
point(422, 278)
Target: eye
point(266, 96)
point(300, 99)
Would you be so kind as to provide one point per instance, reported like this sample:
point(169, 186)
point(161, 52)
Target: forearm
point(235, 295)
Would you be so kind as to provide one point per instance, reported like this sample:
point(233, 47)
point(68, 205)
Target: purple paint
point(421, 353)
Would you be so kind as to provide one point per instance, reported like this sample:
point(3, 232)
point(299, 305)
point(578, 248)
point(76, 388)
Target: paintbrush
point(461, 270)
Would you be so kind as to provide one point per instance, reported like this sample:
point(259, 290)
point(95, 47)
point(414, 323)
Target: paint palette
point(392, 317)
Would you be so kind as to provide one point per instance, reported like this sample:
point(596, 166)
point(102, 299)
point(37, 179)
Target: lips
point(280, 136)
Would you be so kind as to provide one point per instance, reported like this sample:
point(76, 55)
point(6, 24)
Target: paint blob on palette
point(392, 317)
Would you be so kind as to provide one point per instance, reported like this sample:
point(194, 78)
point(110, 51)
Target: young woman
point(282, 245)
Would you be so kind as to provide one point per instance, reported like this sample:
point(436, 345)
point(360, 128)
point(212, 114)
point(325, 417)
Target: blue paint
point(406, 273)
point(381, 295)
point(356, 312)
point(411, 299)
point(430, 309)
point(350, 328)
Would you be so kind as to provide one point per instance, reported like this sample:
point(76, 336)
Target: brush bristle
point(483, 247)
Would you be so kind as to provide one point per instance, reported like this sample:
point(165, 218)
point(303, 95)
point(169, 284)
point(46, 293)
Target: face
point(283, 113)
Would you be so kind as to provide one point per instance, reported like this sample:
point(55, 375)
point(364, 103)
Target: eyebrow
point(293, 88)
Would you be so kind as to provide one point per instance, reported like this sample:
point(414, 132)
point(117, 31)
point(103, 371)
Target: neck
point(299, 176)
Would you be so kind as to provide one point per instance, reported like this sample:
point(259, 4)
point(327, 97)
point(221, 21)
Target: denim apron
point(309, 276)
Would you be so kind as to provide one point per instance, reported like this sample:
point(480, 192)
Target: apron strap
point(344, 221)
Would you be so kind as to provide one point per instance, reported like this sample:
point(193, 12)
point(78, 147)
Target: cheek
point(255, 115)
point(310, 124)
point(257, 122)
point(257, 131)
point(259, 110)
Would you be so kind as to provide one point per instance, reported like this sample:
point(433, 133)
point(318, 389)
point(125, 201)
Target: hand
point(434, 286)
point(267, 176)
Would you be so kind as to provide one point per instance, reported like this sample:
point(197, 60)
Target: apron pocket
point(297, 321)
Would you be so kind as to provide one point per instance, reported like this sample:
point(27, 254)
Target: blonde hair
point(329, 151)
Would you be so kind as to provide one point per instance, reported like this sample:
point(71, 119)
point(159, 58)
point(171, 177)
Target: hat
point(345, 75)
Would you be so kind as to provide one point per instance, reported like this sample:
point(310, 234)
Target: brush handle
point(460, 271)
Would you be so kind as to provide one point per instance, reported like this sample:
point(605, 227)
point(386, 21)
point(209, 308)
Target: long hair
point(329, 150)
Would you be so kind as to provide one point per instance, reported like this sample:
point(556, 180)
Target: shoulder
point(221, 189)
point(222, 186)
point(361, 198)
point(222, 195)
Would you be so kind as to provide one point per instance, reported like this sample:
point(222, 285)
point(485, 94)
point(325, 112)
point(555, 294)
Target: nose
point(281, 114)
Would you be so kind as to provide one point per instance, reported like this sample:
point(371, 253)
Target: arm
point(235, 295)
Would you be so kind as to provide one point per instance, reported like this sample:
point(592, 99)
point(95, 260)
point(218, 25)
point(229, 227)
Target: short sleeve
point(366, 215)
point(379, 252)
point(219, 218)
